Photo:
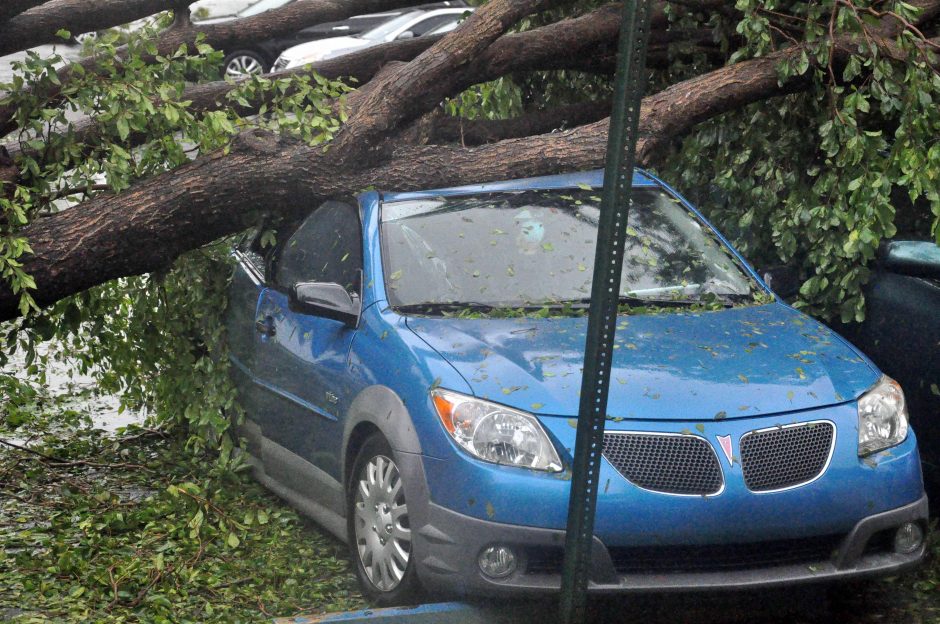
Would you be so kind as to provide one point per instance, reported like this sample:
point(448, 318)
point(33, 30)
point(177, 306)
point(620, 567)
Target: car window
point(537, 248)
point(249, 245)
point(433, 23)
point(446, 28)
point(386, 30)
point(327, 247)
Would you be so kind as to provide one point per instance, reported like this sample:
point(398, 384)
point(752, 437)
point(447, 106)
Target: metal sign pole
point(605, 294)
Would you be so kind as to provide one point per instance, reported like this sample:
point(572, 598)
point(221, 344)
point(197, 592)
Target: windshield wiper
point(432, 307)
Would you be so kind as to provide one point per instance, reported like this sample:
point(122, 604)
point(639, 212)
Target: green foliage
point(95, 528)
point(820, 179)
point(158, 338)
point(499, 99)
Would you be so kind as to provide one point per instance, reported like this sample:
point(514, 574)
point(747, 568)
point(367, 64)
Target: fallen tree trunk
point(41, 24)
point(11, 8)
point(149, 226)
point(278, 22)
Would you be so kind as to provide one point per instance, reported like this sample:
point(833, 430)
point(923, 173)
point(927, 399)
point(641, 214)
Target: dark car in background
point(901, 333)
point(258, 56)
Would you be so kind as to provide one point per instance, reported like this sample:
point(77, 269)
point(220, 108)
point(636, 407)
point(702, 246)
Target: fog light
point(497, 561)
point(908, 538)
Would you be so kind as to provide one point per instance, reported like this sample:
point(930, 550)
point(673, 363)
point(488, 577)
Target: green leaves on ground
point(138, 529)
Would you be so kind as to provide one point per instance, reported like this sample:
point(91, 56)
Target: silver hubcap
point(383, 535)
point(243, 66)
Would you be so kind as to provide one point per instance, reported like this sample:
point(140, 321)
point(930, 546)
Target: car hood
point(325, 48)
point(734, 363)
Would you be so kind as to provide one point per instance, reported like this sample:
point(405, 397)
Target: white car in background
point(408, 26)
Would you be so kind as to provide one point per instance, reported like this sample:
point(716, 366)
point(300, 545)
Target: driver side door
point(303, 358)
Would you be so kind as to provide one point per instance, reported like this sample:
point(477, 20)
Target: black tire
point(378, 577)
point(243, 63)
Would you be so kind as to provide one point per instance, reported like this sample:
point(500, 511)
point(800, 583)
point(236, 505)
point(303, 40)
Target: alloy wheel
point(243, 65)
point(383, 535)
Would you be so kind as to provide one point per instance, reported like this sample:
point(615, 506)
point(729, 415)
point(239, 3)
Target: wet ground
point(858, 603)
point(81, 391)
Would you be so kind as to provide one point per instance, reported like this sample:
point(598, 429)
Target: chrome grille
point(672, 464)
point(782, 457)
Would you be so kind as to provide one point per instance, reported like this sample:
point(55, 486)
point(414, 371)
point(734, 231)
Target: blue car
point(409, 366)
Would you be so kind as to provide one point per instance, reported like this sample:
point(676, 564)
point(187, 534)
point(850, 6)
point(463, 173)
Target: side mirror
point(405, 35)
point(327, 300)
point(784, 280)
point(914, 258)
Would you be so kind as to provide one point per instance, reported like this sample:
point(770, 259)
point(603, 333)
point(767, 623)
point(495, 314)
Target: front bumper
point(448, 543)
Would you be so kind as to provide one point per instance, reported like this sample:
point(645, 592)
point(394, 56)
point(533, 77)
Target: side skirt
point(305, 487)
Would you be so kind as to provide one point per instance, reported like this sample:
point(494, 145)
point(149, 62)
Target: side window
point(432, 23)
point(249, 245)
point(327, 247)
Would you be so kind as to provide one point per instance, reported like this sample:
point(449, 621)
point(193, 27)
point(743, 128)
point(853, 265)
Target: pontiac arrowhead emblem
point(725, 442)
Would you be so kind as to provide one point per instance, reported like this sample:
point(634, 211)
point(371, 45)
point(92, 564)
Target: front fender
point(381, 407)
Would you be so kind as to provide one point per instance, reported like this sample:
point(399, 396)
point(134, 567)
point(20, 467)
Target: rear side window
point(250, 250)
point(327, 247)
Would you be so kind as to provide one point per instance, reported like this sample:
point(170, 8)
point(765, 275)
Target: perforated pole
point(602, 318)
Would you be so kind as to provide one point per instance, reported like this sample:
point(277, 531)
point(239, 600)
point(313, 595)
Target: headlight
point(495, 433)
point(882, 417)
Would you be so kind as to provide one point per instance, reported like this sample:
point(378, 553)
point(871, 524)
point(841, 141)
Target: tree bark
point(148, 226)
point(285, 20)
point(151, 224)
point(40, 25)
point(11, 8)
point(440, 128)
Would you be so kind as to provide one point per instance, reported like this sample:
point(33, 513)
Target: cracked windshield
point(535, 249)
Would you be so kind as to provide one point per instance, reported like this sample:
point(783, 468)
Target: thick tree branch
point(440, 128)
point(40, 25)
point(150, 225)
point(419, 86)
point(277, 22)
point(10, 8)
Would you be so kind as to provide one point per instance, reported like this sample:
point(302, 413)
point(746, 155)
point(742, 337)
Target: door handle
point(265, 326)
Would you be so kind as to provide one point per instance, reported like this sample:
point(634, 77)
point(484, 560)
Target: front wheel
point(378, 526)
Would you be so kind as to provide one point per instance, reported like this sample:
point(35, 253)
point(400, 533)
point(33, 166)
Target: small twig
point(7, 493)
point(76, 190)
point(784, 34)
point(145, 433)
point(209, 504)
point(58, 461)
point(114, 588)
point(143, 592)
